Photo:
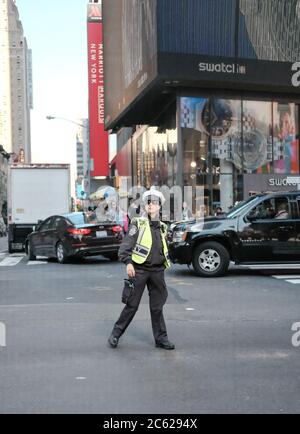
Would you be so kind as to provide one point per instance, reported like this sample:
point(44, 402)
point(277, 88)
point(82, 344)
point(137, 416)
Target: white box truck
point(35, 192)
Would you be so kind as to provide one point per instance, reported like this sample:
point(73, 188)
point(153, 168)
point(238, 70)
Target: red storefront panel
point(98, 136)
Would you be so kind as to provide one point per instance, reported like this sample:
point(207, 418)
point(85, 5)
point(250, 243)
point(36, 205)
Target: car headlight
point(179, 236)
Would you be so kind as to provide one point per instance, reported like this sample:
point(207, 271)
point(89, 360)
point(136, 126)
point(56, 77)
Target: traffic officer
point(145, 253)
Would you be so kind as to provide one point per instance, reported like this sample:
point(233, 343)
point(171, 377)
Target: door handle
point(286, 227)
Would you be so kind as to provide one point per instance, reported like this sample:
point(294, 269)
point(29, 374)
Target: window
point(286, 144)
point(47, 225)
point(212, 150)
point(271, 209)
point(222, 139)
point(60, 224)
point(257, 136)
point(78, 219)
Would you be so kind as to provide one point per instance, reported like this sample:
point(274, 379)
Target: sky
point(56, 33)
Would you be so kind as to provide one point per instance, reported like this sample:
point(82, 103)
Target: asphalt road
point(233, 342)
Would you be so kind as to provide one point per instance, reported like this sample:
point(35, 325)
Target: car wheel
point(30, 253)
point(61, 253)
point(211, 259)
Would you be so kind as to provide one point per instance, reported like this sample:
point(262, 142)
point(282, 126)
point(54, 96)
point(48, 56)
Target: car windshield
point(78, 219)
point(94, 217)
point(241, 206)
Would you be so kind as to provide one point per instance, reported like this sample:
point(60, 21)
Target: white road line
point(37, 263)
point(294, 281)
point(287, 277)
point(273, 267)
point(10, 262)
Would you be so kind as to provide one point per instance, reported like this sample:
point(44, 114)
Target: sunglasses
point(153, 202)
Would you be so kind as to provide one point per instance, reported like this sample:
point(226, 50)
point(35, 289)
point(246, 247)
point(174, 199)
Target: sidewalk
point(3, 244)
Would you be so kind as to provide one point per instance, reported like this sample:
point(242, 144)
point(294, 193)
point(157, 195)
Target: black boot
point(113, 341)
point(165, 345)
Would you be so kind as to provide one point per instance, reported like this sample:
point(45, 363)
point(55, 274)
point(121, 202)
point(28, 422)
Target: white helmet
point(153, 192)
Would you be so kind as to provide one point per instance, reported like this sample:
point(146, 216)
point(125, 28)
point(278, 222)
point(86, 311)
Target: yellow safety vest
point(143, 245)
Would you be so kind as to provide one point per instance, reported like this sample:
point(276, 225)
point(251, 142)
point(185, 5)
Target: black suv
point(265, 229)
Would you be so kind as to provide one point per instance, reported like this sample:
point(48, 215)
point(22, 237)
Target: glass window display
point(156, 157)
point(257, 152)
point(222, 139)
point(286, 144)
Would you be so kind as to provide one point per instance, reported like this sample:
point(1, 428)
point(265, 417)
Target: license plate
point(17, 246)
point(102, 234)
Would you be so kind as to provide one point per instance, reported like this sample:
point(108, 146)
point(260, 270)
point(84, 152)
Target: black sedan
point(74, 235)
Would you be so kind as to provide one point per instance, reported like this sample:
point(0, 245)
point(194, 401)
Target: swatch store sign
point(261, 73)
point(237, 69)
point(255, 184)
point(225, 68)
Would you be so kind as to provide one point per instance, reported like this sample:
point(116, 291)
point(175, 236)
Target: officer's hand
point(130, 271)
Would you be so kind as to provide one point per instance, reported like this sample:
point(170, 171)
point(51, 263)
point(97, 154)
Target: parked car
point(265, 229)
point(74, 235)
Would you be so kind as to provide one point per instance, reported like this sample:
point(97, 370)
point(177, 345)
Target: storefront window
point(156, 156)
point(227, 190)
point(195, 138)
point(257, 137)
point(226, 136)
point(194, 118)
point(286, 144)
point(225, 140)
point(211, 140)
point(230, 147)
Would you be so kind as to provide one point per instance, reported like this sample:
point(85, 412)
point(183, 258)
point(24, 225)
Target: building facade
point(15, 84)
point(216, 84)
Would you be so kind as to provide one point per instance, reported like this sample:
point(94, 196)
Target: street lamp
point(51, 118)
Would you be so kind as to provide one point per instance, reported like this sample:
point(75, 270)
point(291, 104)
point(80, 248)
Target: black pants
point(158, 294)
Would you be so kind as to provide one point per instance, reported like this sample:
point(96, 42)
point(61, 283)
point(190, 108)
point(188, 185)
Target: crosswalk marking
point(294, 279)
point(13, 259)
point(10, 261)
point(294, 276)
point(274, 267)
point(37, 263)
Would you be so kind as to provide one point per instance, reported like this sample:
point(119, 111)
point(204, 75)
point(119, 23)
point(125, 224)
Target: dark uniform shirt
point(156, 258)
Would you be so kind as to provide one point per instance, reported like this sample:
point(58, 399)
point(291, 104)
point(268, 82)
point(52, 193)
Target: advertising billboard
point(98, 136)
point(130, 52)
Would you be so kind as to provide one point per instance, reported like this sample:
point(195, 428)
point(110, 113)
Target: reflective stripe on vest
point(143, 246)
